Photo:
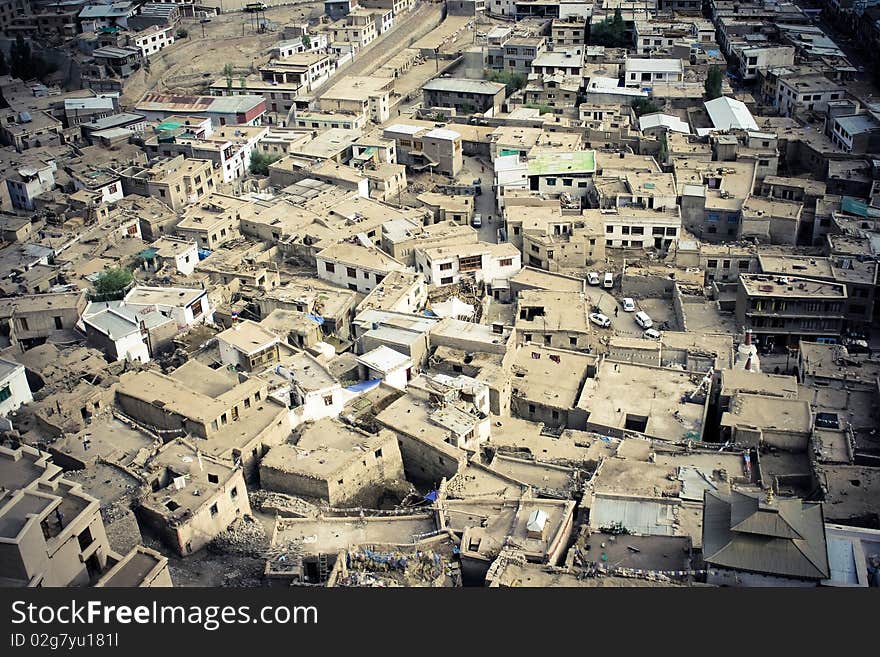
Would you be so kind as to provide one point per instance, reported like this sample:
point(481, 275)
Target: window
point(712, 264)
point(212, 478)
point(743, 264)
point(329, 267)
point(531, 408)
point(214, 509)
point(378, 453)
point(551, 182)
point(352, 272)
point(609, 229)
point(328, 400)
point(572, 340)
point(445, 266)
point(5, 393)
point(58, 324)
point(446, 281)
point(506, 262)
point(233, 493)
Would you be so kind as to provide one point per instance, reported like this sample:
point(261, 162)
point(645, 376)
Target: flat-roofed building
point(464, 95)
point(334, 463)
point(781, 310)
point(356, 267)
point(51, 531)
point(484, 261)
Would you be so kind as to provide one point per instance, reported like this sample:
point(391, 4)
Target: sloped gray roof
point(785, 537)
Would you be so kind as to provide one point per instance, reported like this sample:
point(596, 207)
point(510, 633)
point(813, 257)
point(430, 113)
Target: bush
point(513, 81)
point(610, 33)
point(260, 162)
point(714, 78)
point(112, 281)
point(644, 106)
point(182, 33)
point(544, 109)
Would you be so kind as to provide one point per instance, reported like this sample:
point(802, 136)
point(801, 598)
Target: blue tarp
point(203, 253)
point(432, 496)
point(429, 313)
point(363, 386)
point(316, 318)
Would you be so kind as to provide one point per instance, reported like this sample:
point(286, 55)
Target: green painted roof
point(562, 163)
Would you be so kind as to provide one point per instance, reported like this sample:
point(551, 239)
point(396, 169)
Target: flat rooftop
point(790, 286)
point(624, 393)
point(329, 535)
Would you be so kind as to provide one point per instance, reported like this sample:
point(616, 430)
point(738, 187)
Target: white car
point(652, 334)
point(600, 320)
point(593, 278)
point(629, 306)
point(643, 320)
point(608, 283)
point(477, 221)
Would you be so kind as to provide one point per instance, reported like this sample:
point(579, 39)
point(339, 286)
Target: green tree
point(227, 73)
point(306, 41)
point(644, 106)
point(714, 78)
point(610, 33)
point(182, 33)
point(112, 280)
point(663, 155)
point(20, 56)
point(260, 162)
point(513, 81)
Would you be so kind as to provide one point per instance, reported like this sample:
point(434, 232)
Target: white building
point(645, 72)
point(484, 261)
point(154, 38)
point(314, 393)
point(393, 367)
point(14, 388)
point(511, 172)
point(806, 92)
point(359, 268)
point(180, 254)
point(186, 306)
point(121, 331)
point(29, 181)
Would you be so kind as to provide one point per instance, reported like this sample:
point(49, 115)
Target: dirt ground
point(190, 65)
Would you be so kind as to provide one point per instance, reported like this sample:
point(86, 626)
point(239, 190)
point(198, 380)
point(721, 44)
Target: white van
point(643, 320)
point(477, 221)
point(608, 283)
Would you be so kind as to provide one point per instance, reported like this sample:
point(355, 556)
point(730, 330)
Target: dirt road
point(422, 20)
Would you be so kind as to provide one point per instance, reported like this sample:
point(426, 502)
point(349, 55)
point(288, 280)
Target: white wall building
point(645, 72)
point(359, 268)
point(186, 306)
point(393, 367)
point(14, 388)
point(483, 261)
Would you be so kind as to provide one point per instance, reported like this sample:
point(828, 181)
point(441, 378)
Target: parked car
point(629, 306)
point(643, 320)
point(608, 283)
point(593, 278)
point(600, 320)
point(477, 221)
point(651, 334)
